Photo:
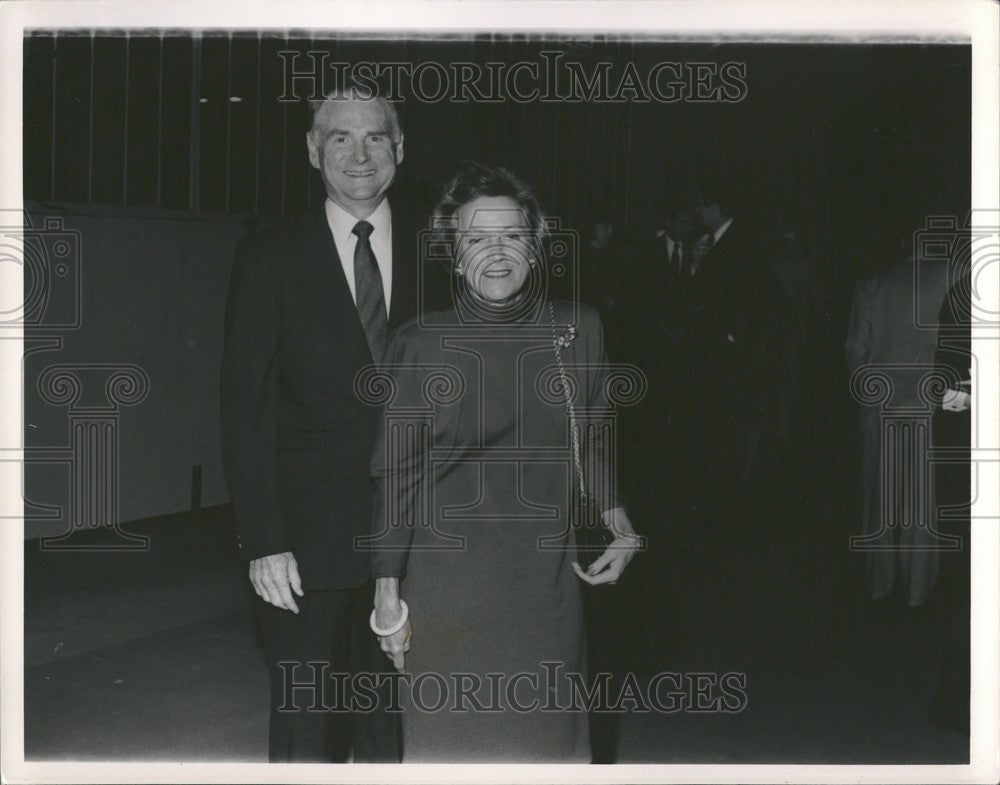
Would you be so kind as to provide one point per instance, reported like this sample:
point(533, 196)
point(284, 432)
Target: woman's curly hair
point(474, 179)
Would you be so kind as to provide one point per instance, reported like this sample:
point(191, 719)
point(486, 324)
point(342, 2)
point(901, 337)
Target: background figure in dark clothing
point(707, 375)
point(728, 375)
point(799, 403)
point(668, 261)
point(802, 305)
point(673, 252)
point(952, 425)
point(657, 313)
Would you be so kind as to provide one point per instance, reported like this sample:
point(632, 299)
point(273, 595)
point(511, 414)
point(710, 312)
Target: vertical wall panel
point(108, 157)
point(271, 142)
point(243, 118)
point(213, 104)
point(175, 123)
point(72, 118)
point(143, 140)
point(39, 58)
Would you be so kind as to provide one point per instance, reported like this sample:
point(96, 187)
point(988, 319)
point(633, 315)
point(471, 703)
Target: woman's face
point(494, 248)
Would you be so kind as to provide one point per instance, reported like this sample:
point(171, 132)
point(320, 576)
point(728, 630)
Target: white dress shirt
point(680, 251)
point(342, 225)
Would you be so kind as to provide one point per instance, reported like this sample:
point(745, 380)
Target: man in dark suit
point(718, 372)
point(729, 293)
point(309, 305)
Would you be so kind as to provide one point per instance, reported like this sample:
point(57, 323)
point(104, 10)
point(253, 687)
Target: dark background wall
point(152, 295)
point(137, 143)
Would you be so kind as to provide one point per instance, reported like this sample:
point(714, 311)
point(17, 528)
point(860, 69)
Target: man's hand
point(275, 577)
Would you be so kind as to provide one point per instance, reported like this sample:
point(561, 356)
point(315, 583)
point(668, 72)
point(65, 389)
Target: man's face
point(352, 146)
point(709, 214)
point(682, 226)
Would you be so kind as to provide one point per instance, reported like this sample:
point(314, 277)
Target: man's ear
point(313, 150)
point(399, 150)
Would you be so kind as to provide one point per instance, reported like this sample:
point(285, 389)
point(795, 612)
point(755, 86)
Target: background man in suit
point(721, 370)
point(309, 305)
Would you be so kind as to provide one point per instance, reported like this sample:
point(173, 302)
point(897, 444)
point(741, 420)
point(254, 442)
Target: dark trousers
point(310, 724)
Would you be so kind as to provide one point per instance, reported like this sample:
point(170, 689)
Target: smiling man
point(309, 305)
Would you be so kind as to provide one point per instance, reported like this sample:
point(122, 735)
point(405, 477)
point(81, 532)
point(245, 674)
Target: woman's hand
point(609, 566)
point(388, 611)
point(396, 645)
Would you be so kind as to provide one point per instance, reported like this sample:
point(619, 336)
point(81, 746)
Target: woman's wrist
point(387, 603)
point(617, 522)
point(384, 629)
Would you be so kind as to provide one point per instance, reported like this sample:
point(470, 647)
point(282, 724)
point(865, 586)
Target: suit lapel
point(328, 291)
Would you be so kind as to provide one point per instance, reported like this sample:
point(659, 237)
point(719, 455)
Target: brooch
point(563, 341)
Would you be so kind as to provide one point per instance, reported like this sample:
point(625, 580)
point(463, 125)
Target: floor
point(153, 655)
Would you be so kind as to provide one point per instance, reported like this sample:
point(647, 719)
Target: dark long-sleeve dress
point(475, 476)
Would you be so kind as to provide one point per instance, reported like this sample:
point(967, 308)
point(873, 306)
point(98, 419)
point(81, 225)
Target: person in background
point(885, 339)
point(801, 307)
point(727, 382)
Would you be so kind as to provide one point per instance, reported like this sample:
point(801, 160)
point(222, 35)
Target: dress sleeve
point(596, 418)
point(399, 461)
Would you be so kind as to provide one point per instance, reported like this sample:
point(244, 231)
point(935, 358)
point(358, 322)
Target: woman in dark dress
point(472, 546)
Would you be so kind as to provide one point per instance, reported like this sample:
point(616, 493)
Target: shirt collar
point(722, 230)
point(342, 223)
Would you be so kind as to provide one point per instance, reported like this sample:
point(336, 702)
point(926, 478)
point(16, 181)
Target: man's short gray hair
point(356, 91)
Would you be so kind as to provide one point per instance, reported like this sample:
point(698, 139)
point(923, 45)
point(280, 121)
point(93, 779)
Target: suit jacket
point(719, 320)
point(296, 439)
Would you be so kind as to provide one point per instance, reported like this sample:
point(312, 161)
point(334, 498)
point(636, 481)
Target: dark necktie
point(675, 258)
point(368, 293)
